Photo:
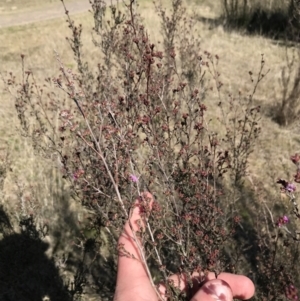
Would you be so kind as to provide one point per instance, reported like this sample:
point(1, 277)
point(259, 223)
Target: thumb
point(214, 290)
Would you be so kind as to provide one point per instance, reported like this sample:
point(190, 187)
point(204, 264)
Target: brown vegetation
point(184, 110)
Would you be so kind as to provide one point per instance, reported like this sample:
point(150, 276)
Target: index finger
point(131, 264)
point(241, 286)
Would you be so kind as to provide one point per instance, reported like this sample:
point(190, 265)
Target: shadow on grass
point(276, 25)
point(102, 270)
point(26, 273)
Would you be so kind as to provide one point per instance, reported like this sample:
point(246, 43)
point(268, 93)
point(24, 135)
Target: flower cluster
point(291, 292)
point(282, 220)
point(77, 174)
point(286, 186)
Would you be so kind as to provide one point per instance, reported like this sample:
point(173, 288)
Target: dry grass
point(38, 179)
point(15, 6)
point(238, 55)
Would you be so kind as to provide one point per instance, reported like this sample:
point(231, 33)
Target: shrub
point(141, 117)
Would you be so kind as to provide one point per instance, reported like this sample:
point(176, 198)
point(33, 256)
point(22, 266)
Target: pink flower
point(282, 220)
point(285, 219)
point(286, 186)
point(134, 178)
point(77, 174)
point(290, 187)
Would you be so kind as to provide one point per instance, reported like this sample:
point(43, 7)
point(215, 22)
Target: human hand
point(133, 283)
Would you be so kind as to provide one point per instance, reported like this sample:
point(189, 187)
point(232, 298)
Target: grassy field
point(238, 54)
point(10, 6)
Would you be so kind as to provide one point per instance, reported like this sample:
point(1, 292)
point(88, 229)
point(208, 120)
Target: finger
point(131, 270)
point(214, 290)
point(241, 286)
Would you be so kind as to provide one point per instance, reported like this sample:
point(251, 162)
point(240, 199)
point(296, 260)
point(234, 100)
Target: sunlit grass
point(17, 6)
point(238, 54)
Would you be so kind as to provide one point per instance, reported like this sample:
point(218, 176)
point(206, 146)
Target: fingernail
point(218, 290)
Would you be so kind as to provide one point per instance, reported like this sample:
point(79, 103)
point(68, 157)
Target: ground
point(12, 15)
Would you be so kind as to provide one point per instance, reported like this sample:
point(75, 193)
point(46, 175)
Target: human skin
point(133, 283)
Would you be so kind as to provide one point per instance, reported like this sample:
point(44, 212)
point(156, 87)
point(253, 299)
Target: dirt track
point(44, 13)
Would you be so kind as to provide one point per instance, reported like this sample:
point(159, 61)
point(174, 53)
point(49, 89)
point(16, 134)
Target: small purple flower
point(285, 219)
point(282, 220)
point(134, 178)
point(286, 186)
point(290, 187)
